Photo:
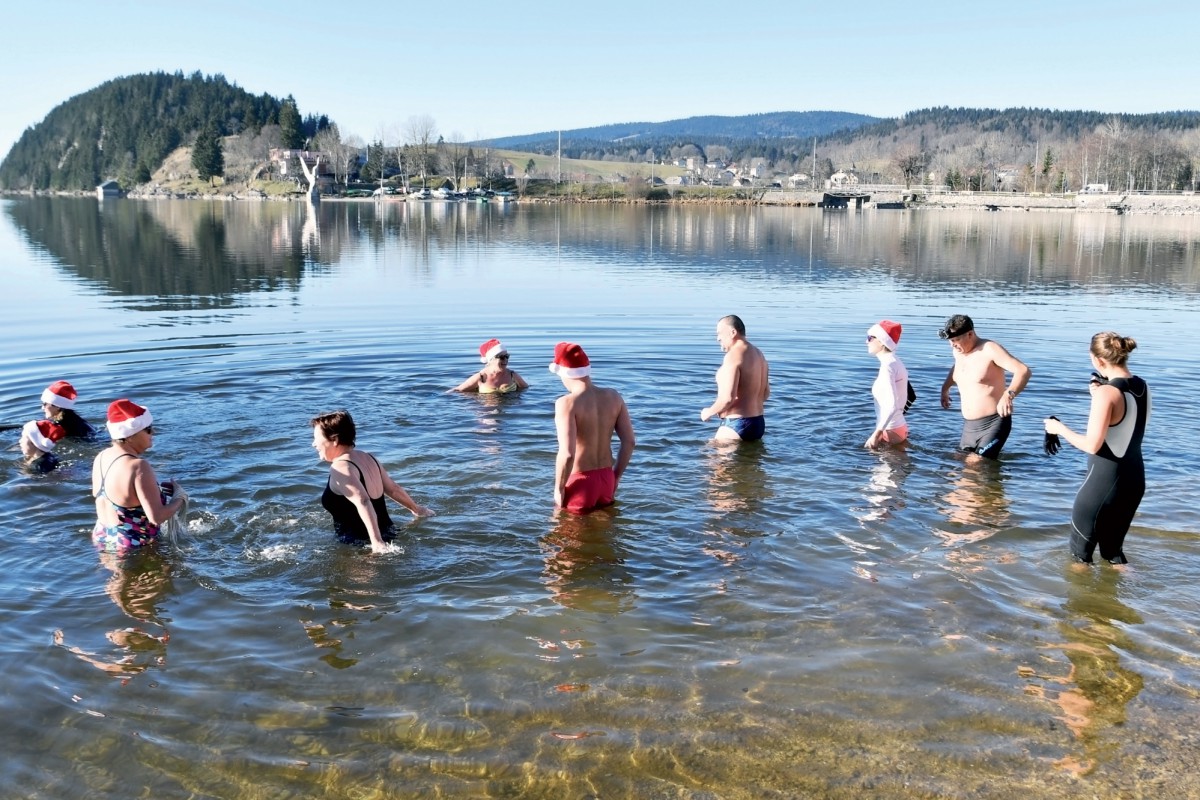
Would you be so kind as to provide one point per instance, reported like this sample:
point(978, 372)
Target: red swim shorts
point(588, 490)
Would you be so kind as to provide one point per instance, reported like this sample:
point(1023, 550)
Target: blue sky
point(497, 68)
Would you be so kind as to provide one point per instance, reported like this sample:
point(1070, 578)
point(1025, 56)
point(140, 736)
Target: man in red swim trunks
point(585, 419)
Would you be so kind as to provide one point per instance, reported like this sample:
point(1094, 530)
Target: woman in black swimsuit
point(358, 484)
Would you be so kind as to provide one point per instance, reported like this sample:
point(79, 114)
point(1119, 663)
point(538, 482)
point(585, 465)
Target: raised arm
point(1020, 376)
point(145, 483)
point(471, 384)
point(1105, 400)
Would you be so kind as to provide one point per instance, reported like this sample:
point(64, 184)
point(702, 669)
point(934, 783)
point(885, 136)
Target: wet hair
point(735, 322)
point(1112, 347)
point(336, 426)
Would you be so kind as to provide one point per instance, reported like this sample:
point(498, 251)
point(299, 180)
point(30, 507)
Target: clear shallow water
point(796, 618)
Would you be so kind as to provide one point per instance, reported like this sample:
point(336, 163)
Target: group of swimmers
point(131, 504)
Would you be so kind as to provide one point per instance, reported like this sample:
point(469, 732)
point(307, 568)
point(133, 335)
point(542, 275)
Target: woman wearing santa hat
point(495, 377)
point(358, 485)
point(130, 503)
point(890, 390)
point(38, 438)
point(58, 404)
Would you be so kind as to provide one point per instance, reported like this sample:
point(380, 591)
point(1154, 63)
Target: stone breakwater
point(1107, 203)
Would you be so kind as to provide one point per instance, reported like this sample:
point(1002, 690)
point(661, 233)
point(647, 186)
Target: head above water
point(337, 427)
point(570, 361)
point(490, 349)
point(1112, 348)
point(734, 322)
point(60, 394)
point(956, 326)
point(887, 332)
point(125, 418)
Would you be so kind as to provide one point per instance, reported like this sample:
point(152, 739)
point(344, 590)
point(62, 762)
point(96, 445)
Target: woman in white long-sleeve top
point(890, 390)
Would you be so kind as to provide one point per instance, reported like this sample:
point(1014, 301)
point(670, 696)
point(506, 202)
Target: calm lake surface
point(794, 618)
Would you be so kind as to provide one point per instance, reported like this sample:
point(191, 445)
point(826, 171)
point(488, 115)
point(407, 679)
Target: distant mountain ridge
point(774, 125)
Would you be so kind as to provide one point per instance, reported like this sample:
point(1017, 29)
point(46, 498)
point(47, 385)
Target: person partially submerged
point(585, 419)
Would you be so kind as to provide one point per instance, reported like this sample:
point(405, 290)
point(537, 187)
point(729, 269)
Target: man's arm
point(946, 384)
point(625, 434)
point(564, 425)
point(727, 382)
point(1020, 376)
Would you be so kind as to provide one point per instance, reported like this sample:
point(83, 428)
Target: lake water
point(794, 618)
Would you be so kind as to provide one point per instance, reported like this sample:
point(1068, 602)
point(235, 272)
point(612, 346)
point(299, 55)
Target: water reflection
point(975, 505)
point(883, 495)
point(136, 586)
point(351, 597)
point(201, 251)
point(737, 481)
point(585, 564)
point(1094, 694)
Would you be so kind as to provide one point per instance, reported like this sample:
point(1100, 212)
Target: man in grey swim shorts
point(979, 372)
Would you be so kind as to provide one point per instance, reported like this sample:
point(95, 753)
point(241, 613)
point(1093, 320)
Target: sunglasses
point(149, 429)
point(502, 357)
point(870, 338)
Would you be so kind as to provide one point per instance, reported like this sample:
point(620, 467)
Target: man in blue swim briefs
point(979, 372)
point(743, 385)
point(585, 419)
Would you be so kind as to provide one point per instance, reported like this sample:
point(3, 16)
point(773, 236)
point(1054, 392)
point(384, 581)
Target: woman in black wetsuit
point(358, 484)
point(1116, 476)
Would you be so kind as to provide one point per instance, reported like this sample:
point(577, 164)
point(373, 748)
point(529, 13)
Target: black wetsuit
point(348, 523)
point(1115, 482)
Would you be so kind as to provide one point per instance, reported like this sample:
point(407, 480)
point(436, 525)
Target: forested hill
point(706, 129)
point(124, 129)
point(1022, 124)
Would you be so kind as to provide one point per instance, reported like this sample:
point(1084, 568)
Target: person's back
point(752, 386)
point(595, 412)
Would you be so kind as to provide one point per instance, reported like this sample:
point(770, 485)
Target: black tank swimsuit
point(348, 525)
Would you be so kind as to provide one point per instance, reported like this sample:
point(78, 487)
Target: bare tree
point(340, 155)
point(911, 165)
point(421, 135)
point(455, 156)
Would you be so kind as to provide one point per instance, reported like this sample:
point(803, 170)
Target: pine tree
point(290, 125)
point(208, 154)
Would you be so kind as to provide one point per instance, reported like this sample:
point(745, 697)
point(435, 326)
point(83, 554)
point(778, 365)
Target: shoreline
point(872, 198)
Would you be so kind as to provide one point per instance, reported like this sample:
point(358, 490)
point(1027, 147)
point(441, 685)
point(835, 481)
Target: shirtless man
point(742, 385)
point(979, 369)
point(585, 418)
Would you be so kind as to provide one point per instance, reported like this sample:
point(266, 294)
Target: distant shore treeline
point(127, 128)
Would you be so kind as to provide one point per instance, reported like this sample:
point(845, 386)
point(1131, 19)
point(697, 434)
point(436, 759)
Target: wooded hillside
point(123, 129)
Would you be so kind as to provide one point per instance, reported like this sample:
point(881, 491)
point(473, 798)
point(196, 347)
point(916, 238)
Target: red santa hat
point(570, 361)
point(43, 433)
point(61, 394)
point(125, 418)
point(887, 332)
point(490, 349)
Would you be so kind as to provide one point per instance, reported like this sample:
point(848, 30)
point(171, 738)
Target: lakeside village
point(300, 174)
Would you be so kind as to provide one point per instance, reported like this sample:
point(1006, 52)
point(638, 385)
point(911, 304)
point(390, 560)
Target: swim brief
point(589, 490)
point(986, 435)
point(748, 428)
